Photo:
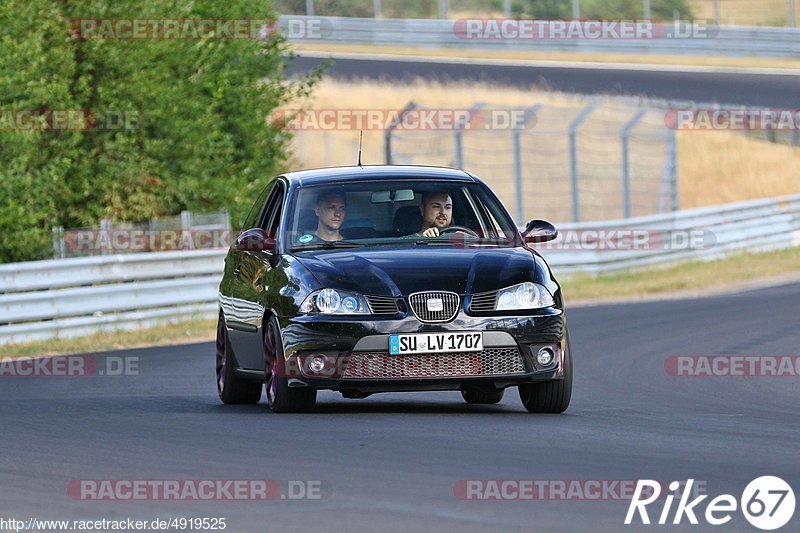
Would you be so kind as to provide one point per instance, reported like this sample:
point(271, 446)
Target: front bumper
point(357, 360)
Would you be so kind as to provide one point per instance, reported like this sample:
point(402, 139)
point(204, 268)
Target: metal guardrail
point(71, 297)
point(426, 33)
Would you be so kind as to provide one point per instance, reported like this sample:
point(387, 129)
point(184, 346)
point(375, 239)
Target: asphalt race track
point(390, 462)
point(768, 90)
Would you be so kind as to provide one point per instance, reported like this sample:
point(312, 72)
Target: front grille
point(489, 362)
point(419, 305)
point(382, 305)
point(483, 301)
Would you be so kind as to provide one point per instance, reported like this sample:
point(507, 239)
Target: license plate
point(463, 341)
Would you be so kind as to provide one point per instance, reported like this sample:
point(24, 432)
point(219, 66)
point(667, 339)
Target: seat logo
point(435, 304)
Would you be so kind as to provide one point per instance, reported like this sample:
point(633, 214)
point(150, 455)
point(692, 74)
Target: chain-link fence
point(578, 162)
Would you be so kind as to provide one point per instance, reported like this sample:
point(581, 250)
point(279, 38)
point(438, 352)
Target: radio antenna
point(360, 141)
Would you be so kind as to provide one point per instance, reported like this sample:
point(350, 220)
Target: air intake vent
point(382, 305)
point(483, 301)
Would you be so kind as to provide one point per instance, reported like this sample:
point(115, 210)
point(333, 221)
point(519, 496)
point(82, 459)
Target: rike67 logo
point(767, 503)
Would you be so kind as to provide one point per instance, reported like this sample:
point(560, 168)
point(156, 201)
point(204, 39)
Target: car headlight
point(332, 302)
point(524, 296)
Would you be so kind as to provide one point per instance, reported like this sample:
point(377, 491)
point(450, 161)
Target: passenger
point(330, 209)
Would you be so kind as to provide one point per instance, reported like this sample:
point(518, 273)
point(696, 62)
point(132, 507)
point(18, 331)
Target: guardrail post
point(186, 220)
point(459, 133)
point(507, 9)
point(573, 159)
point(387, 137)
point(791, 14)
point(106, 227)
point(646, 9)
point(310, 8)
point(529, 114)
point(626, 167)
point(376, 5)
point(576, 9)
point(717, 16)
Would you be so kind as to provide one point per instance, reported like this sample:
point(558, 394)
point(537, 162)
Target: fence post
point(792, 22)
point(58, 242)
point(530, 113)
point(387, 138)
point(442, 9)
point(573, 158)
point(626, 166)
point(310, 8)
point(794, 137)
point(458, 136)
point(376, 5)
point(669, 180)
point(717, 16)
point(106, 227)
point(646, 9)
point(576, 9)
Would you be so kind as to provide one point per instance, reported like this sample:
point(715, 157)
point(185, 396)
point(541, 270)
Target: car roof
point(375, 172)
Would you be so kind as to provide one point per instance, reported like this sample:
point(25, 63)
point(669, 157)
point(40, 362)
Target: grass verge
point(580, 288)
point(699, 276)
point(168, 334)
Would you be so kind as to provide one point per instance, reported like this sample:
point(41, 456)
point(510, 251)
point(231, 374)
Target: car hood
point(402, 271)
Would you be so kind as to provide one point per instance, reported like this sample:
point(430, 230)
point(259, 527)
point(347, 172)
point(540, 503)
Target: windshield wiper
point(329, 245)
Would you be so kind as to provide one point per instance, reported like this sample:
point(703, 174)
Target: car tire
point(482, 396)
point(553, 396)
point(231, 388)
point(281, 397)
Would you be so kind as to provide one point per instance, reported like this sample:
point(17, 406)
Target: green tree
point(201, 139)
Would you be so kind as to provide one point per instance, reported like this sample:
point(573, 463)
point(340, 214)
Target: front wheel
point(553, 396)
point(230, 387)
point(281, 397)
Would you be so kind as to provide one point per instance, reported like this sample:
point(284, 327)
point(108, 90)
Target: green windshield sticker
point(306, 238)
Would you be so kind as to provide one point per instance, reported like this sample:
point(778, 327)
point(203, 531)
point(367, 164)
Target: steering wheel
point(453, 229)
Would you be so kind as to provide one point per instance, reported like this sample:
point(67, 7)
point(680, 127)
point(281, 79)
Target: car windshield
point(397, 213)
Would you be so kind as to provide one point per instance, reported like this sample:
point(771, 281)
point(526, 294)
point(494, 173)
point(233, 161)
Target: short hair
point(330, 193)
point(427, 194)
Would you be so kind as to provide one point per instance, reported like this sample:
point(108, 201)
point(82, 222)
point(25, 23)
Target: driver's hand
point(431, 232)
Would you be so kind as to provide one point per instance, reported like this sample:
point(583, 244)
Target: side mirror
point(539, 231)
point(255, 240)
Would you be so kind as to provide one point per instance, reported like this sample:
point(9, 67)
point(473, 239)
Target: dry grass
point(649, 59)
point(719, 167)
point(744, 12)
point(694, 276)
point(714, 167)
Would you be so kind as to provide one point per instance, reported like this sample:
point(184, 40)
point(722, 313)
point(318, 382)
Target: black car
point(389, 278)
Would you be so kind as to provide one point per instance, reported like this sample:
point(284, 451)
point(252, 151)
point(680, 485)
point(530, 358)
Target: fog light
point(317, 364)
point(545, 356)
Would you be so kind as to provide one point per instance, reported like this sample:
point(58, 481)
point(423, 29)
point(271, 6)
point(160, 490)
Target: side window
point(251, 220)
point(272, 215)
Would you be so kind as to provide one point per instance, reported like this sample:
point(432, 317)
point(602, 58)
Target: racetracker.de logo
point(502, 29)
point(194, 489)
point(420, 119)
point(65, 366)
point(170, 29)
point(741, 119)
point(726, 366)
point(545, 489)
point(66, 120)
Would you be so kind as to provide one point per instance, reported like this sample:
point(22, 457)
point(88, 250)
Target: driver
point(437, 213)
